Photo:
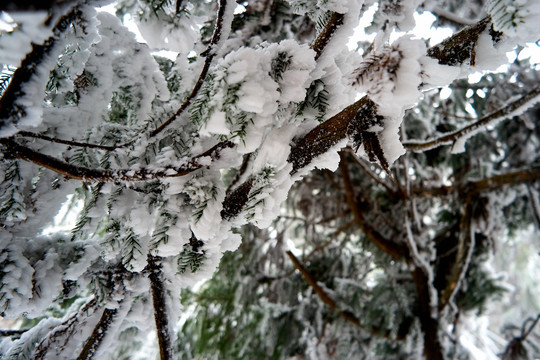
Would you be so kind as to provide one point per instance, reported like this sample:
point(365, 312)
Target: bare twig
point(210, 54)
point(506, 112)
point(12, 148)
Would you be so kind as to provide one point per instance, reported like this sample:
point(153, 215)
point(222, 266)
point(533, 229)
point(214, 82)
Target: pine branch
point(210, 53)
point(465, 249)
point(514, 349)
point(10, 111)
point(13, 149)
point(396, 250)
point(461, 47)
point(433, 349)
point(99, 333)
point(67, 142)
point(322, 40)
point(332, 304)
point(4, 333)
point(62, 329)
point(518, 106)
point(361, 163)
point(321, 293)
point(160, 307)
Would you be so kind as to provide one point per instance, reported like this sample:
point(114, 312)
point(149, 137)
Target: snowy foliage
point(248, 134)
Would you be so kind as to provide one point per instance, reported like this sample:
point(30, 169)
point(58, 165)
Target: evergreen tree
point(356, 203)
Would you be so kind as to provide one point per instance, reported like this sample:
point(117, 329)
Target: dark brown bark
point(99, 333)
point(430, 326)
point(15, 150)
point(10, 111)
point(160, 307)
point(398, 251)
point(320, 43)
point(461, 47)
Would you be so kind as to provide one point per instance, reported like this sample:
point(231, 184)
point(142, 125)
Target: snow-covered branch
point(514, 108)
point(100, 331)
point(11, 110)
point(221, 31)
point(320, 43)
point(13, 149)
point(66, 142)
point(461, 47)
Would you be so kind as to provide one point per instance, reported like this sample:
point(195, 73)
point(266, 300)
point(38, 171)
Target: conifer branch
point(518, 106)
point(396, 250)
point(99, 333)
point(465, 248)
point(13, 149)
point(319, 140)
point(324, 37)
point(160, 307)
point(63, 329)
point(10, 111)
point(310, 280)
point(67, 142)
point(453, 51)
point(433, 349)
point(514, 349)
point(210, 53)
point(461, 47)
point(332, 304)
point(12, 332)
point(472, 188)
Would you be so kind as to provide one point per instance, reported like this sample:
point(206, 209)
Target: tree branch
point(514, 349)
point(210, 53)
point(321, 293)
point(472, 188)
point(320, 43)
point(453, 51)
point(506, 112)
point(465, 249)
point(67, 142)
point(10, 112)
point(61, 329)
point(461, 46)
point(160, 307)
point(433, 349)
point(12, 148)
point(99, 333)
point(396, 250)
point(4, 333)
